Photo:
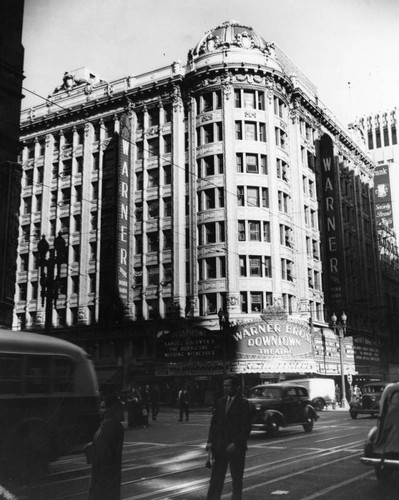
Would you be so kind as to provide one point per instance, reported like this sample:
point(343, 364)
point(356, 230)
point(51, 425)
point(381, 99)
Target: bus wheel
point(28, 452)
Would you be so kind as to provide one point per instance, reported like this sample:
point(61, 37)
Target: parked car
point(369, 402)
point(281, 405)
point(381, 449)
point(321, 391)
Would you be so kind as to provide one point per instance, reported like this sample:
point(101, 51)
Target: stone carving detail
point(226, 81)
point(176, 97)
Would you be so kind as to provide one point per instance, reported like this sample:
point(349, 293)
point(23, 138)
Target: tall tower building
point(194, 200)
point(11, 77)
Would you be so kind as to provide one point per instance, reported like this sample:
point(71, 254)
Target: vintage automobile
point(381, 449)
point(369, 402)
point(281, 405)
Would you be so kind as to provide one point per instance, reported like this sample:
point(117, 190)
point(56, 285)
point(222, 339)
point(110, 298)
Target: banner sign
point(327, 354)
point(194, 344)
point(383, 200)
point(330, 221)
point(123, 209)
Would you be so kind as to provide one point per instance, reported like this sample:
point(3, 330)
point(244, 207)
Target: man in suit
point(227, 440)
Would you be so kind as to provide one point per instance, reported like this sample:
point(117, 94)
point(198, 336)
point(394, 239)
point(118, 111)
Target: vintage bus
point(49, 401)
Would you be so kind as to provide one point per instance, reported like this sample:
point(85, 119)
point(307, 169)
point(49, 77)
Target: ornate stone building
point(193, 199)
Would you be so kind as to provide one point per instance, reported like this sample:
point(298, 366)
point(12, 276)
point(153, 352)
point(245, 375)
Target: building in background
point(215, 215)
point(380, 133)
point(11, 77)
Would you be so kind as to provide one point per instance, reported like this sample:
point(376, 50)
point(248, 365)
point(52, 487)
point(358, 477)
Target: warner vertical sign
point(330, 224)
point(123, 212)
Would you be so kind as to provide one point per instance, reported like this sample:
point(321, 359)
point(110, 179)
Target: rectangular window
point(249, 99)
point(255, 266)
point(208, 133)
point(240, 196)
point(253, 197)
point(254, 231)
point(210, 267)
point(266, 231)
point(239, 163)
point(256, 301)
point(244, 303)
point(210, 233)
point(237, 98)
point(250, 131)
point(239, 130)
point(394, 136)
point(261, 100)
point(167, 143)
point(243, 265)
point(209, 165)
point(153, 177)
point(241, 230)
point(268, 267)
point(263, 164)
point(153, 117)
point(262, 132)
point(167, 207)
point(252, 163)
point(265, 197)
point(209, 199)
point(167, 175)
point(139, 181)
point(153, 209)
point(153, 275)
point(152, 242)
point(386, 136)
point(153, 147)
point(207, 102)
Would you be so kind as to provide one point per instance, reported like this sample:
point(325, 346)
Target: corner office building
point(200, 202)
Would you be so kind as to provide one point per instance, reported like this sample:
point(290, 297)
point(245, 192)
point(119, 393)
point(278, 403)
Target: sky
point(347, 48)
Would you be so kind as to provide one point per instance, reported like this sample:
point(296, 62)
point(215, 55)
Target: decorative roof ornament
point(229, 35)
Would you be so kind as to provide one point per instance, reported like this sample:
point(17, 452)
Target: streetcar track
point(249, 472)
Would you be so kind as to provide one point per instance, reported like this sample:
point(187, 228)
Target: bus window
point(38, 374)
point(63, 375)
point(10, 374)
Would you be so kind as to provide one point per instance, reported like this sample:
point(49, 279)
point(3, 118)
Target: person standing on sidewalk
point(227, 440)
point(104, 453)
point(337, 395)
point(184, 404)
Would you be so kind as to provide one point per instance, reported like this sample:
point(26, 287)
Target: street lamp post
point(49, 285)
point(223, 321)
point(341, 328)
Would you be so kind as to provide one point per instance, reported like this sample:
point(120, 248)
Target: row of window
point(65, 225)
point(252, 196)
point(153, 243)
point(384, 139)
point(243, 98)
point(155, 208)
point(62, 287)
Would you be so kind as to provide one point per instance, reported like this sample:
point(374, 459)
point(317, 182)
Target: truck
point(321, 390)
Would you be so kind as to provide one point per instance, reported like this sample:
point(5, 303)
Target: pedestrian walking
point(105, 453)
point(337, 394)
point(227, 440)
point(134, 408)
point(145, 398)
point(154, 398)
point(184, 404)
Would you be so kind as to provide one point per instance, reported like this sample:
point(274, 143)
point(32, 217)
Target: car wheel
point(308, 427)
point(382, 473)
point(318, 404)
point(353, 414)
point(272, 428)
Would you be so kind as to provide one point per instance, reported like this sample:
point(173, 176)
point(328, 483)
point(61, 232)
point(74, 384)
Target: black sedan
point(281, 405)
point(382, 445)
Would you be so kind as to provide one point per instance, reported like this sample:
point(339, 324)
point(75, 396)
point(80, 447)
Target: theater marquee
point(273, 346)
